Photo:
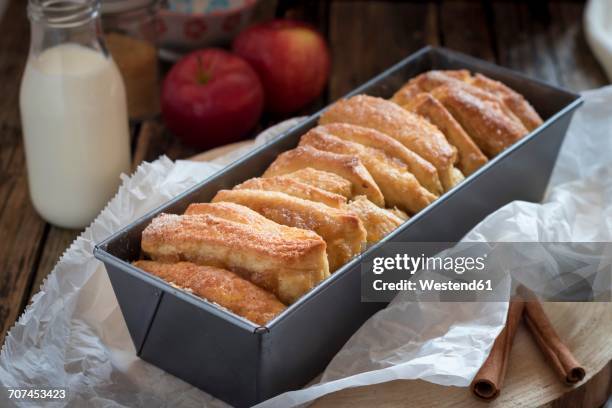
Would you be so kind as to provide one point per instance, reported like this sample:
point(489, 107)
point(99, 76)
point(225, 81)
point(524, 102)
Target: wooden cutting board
point(530, 382)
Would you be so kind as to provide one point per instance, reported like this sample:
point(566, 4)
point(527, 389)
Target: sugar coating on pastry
point(342, 230)
point(424, 171)
point(471, 157)
point(513, 104)
point(428, 81)
point(324, 180)
point(378, 222)
point(484, 121)
point(515, 101)
point(413, 131)
point(399, 187)
point(218, 286)
point(348, 167)
point(284, 260)
point(288, 185)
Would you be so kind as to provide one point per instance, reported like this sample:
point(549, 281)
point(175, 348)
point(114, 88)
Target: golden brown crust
point(237, 213)
point(377, 221)
point(399, 187)
point(413, 131)
point(324, 180)
point(515, 101)
point(426, 82)
point(219, 286)
point(286, 261)
point(342, 231)
point(511, 103)
point(348, 167)
point(484, 121)
point(487, 97)
point(423, 170)
point(470, 156)
point(288, 185)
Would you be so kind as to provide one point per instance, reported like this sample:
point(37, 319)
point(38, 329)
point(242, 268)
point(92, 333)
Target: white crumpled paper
point(73, 335)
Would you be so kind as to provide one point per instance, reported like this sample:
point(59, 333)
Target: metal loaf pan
point(242, 364)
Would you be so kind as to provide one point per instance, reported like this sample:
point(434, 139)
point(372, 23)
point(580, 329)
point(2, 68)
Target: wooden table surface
point(542, 39)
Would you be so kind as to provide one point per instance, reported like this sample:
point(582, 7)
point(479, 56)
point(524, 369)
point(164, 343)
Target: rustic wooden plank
point(149, 132)
point(264, 10)
point(21, 228)
point(55, 244)
point(578, 68)
point(367, 37)
point(464, 27)
point(595, 393)
point(522, 39)
point(313, 12)
point(530, 381)
point(154, 141)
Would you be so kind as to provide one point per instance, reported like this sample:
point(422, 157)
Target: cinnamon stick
point(557, 353)
point(490, 378)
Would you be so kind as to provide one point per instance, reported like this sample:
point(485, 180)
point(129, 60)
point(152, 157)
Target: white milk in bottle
point(73, 113)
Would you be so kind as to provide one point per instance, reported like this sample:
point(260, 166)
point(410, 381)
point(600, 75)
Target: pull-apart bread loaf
point(219, 286)
point(316, 206)
point(346, 166)
point(284, 260)
point(413, 131)
point(342, 230)
point(399, 187)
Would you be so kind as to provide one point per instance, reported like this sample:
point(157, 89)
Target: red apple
point(211, 97)
point(291, 59)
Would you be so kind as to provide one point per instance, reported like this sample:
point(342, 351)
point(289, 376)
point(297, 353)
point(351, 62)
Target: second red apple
point(291, 59)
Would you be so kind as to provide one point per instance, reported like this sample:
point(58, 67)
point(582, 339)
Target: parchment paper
point(73, 336)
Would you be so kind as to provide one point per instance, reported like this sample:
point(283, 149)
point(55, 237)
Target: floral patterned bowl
point(187, 25)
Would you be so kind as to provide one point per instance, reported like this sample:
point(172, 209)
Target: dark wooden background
point(543, 39)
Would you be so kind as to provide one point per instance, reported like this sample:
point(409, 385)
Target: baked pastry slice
point(413, 131)
point(377, 221)
point(511, 103)
point(342, 230)
point(324, 180)
point(219, 286)
point(513, 100)
point(347, 167)
point(288, 185)
point(484, 121)
point(424, 171)
point(286, 261)
point(428, 81)
point(399, 187)
point(471, 157)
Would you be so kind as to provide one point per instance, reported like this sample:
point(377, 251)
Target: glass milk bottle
point(73, 113)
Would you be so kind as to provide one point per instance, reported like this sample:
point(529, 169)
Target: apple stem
point(203, 75)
